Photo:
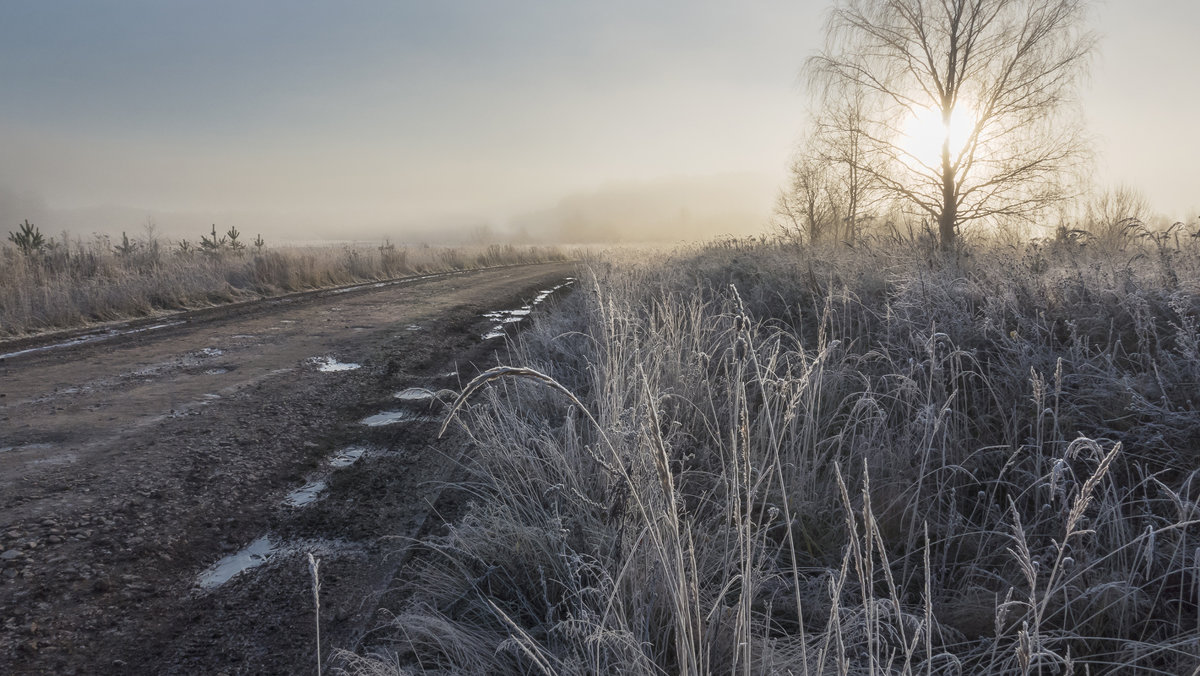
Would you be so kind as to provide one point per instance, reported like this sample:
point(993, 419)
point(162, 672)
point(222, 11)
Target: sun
point(924, 132)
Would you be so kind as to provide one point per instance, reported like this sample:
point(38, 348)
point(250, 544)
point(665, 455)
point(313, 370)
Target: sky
point(371, 118)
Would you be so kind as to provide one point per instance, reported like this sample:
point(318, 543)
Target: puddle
point(347, 457)
point(26, 447)
point(262, 551)
point(251, 556)
point(390, 417)
point(215, 372)
point(414, 394)
point(306, 494)
point(211, 396)
point(311, 491)
point(156, 327)
point(412, 327)
point(380, 285)
point(287, 321)
point(64, 459)
point(91, 338)
point(329, 364)
point(502, 317)
point(211, 352)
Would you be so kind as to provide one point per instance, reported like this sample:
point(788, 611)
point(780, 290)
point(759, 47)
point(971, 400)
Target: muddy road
point(160, 489)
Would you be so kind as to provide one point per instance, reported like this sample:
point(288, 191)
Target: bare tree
point(839, 140)
point(828, 193)
point(805, 205)
point(1001, 72)
point(1113, 213)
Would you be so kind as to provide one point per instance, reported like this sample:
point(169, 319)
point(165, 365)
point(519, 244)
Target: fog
point(662, 210)
point(619, 120)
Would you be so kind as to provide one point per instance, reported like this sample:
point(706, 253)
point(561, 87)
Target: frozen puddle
point(306, 494)
point(91, 338)
point(329, 364)
point(260, 552)
point(415, 394)
point(311, 491)
point(390, 418)
point(64, 459)
point(25, 447)
point(252, 555)
point(502, 317)
point(347, 457)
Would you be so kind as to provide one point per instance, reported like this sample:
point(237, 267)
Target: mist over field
point(653, 211)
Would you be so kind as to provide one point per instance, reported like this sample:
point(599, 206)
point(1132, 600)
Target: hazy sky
point(355, 115)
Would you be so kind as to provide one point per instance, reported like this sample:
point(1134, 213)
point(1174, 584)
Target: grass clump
point(761, 457)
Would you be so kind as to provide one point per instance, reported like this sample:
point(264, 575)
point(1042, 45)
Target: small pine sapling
point(232, 235)
point(126, 247)
point(210, 244)
point(28, 238)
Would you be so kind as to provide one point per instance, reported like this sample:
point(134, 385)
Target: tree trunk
point(949, 216)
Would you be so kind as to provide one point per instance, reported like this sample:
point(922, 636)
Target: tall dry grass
point(757, 457)
point(76, 282)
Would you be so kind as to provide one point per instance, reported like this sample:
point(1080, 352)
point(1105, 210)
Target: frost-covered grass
point(819, 461)
point(78, 282)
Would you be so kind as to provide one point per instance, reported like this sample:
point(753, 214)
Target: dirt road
point(139, 473)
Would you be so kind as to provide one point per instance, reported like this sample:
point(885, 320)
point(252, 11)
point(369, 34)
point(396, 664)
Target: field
point(73, 281)
point(758, 456)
